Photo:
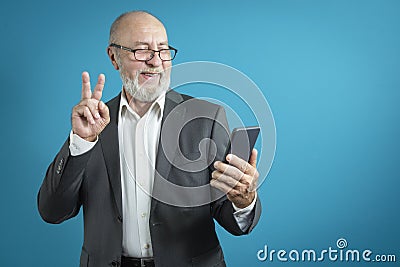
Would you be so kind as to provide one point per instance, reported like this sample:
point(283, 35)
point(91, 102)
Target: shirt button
point(143, 214)
point(146, 246)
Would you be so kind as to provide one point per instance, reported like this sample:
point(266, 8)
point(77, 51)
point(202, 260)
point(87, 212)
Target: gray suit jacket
point(181, 235)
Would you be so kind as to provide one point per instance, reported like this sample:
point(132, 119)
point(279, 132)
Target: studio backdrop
point(324, 85)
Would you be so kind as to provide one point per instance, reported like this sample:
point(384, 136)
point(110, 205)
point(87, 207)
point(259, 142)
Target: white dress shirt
point(138, 142)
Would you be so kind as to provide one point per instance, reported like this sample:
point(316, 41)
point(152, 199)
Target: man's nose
point(155, 60)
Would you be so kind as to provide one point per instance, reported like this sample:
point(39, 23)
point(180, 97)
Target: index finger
point(98, 90)
point(239, 163)
point(86, 92)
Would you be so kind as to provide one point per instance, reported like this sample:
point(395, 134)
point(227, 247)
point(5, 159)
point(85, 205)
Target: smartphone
point(242, 142)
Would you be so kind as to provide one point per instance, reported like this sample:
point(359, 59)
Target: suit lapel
point(177, 116)
point(164, 163)
point(109, 144)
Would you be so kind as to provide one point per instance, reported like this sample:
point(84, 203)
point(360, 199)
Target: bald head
point(129, 21)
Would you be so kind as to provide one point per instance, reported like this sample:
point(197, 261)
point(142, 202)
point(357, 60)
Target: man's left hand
point(238, 179)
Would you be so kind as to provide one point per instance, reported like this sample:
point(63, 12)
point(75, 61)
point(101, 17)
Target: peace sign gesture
point(91, 115)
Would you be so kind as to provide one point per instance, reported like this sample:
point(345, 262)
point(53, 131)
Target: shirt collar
point(159, 102)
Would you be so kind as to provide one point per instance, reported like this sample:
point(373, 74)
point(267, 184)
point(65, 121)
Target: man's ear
point(111, 55)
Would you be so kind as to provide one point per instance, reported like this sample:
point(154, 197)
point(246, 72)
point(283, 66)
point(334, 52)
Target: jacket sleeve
point(59, 195)
point(222, 209)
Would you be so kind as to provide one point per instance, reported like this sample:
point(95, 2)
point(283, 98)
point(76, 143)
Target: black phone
point(242, 142)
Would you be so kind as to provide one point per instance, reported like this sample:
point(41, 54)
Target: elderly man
point(140, 169)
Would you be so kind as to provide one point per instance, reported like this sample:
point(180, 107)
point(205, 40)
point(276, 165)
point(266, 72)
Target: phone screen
point(242, 142)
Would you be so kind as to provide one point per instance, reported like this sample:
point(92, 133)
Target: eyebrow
point(145, 43)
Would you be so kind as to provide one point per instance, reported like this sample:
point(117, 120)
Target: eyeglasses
point(147, 54)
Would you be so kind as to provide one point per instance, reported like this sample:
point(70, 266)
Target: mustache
point(152, 70)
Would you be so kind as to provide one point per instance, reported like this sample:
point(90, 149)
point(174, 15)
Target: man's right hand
point(90, 116)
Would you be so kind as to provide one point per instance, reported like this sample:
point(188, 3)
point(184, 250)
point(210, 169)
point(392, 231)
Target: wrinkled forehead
point(142, 29)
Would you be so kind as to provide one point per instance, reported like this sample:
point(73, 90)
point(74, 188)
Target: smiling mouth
point(150, 74)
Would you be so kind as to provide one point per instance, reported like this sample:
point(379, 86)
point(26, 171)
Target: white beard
point(144, 92)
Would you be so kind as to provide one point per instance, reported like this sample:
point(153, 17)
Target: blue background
point(330, 72)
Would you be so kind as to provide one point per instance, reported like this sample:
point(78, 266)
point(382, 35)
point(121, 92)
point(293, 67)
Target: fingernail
point(216, 164)
point(97, 115)
point(229, 157)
